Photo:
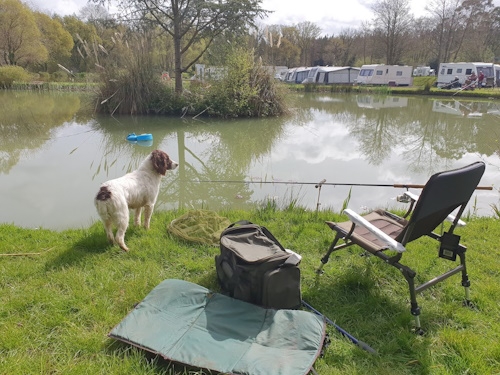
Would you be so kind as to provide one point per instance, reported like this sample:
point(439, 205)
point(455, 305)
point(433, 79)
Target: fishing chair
point(386, 235)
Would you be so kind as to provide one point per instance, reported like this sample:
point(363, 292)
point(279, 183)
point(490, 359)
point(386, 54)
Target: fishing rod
point(323, 182)
point(465, 87)
point(342, 331)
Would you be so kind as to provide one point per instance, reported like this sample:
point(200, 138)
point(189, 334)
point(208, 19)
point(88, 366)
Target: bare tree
point(392, 23)
point(307, 32)
point(192, 22)
point(475, 16)
point(446, 18)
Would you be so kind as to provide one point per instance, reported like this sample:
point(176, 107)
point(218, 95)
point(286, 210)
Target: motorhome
point(392, 75)
point(332, 75)
point(448, 71)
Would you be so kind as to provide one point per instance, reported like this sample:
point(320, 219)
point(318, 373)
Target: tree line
point(178, 34)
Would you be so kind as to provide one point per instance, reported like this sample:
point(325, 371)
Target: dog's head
point(162, 162)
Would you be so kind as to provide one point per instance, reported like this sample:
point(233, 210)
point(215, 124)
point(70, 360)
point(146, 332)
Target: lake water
point(54, 154)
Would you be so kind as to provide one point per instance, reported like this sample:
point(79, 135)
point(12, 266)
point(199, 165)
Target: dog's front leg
point(148, 211)
point(137, 216)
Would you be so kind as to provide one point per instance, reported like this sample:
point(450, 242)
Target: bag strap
point(271, 236)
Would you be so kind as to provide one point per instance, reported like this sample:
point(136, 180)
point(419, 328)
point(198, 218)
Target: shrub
point(247, 89)
point(44, 76)
point(59, 76)
point(130, 84)
point(11, 73)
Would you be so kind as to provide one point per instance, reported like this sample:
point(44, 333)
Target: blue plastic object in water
point(132, 137)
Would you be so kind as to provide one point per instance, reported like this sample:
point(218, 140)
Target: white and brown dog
point(135, 190)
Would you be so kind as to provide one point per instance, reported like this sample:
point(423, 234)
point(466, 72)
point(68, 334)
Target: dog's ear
point(161, 162)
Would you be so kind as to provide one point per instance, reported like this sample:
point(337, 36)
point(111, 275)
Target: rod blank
point(321, 183)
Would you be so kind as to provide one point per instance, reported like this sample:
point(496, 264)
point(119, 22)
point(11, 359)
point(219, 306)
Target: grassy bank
point(62, 292)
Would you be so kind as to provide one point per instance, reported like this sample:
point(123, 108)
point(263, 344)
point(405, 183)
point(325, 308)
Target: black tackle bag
point(254, 267)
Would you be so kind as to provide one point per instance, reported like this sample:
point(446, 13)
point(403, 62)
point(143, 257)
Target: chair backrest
point(441, 195)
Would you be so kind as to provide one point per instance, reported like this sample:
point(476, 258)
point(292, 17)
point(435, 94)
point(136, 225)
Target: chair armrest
point(359, 220)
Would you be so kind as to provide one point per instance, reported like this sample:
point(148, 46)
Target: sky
point(331, 18)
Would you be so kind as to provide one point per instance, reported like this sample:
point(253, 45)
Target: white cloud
point(60, 7)
point(331, 17)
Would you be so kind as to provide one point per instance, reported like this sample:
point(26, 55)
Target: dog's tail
point(104, 194)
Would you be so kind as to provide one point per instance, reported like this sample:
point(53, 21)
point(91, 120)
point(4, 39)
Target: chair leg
point(325, 259)
point(465, 280)
point(409, 275)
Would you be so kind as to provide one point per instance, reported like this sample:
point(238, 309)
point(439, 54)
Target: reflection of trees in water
point(424, 137)
point(431, 139)
point(231, 148)
point(26, 120)
point(375, 134)
point(234, 145)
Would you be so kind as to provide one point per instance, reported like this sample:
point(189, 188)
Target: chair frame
point(465, 181)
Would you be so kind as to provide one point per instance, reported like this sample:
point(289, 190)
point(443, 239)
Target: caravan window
point(366, 72)
point(459, 71)
point(487, 71)
point(468, 71)
point(449, 71)
point(399, 73)
point(380, 72)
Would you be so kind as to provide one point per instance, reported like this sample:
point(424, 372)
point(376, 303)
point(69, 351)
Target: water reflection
point(54, 153)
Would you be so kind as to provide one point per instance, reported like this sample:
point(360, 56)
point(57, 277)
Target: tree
point(56, 39)
point(392, 22)
point(475, 16)
point(493, 36)
point(83, 34)
point(20, 38)
point(93, 13)
point(189, 22)
point(289, 52)
point(307, 32)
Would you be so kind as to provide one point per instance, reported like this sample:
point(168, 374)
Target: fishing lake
point(55, 152)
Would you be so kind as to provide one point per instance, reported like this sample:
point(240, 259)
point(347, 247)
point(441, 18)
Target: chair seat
point(388, 223)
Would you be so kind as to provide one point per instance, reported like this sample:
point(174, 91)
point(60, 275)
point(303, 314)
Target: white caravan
point(378, 102)
point(392, 75)
point(448, 71)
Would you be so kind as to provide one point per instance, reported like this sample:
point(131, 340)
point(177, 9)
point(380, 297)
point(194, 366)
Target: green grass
point(59, 301)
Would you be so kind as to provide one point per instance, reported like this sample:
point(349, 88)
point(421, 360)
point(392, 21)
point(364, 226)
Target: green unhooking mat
point(189, 324)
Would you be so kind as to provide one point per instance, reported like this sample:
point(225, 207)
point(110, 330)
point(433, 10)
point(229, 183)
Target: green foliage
point(59, 76)
point(129, 81)
point(43, 76)
point(132, 86)
point(20, 38)
point(425, 82)
point(246, 89)
point(11, 73)
point(231, 96)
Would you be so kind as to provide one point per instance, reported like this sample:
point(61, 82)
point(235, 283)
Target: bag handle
point(240, 222)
